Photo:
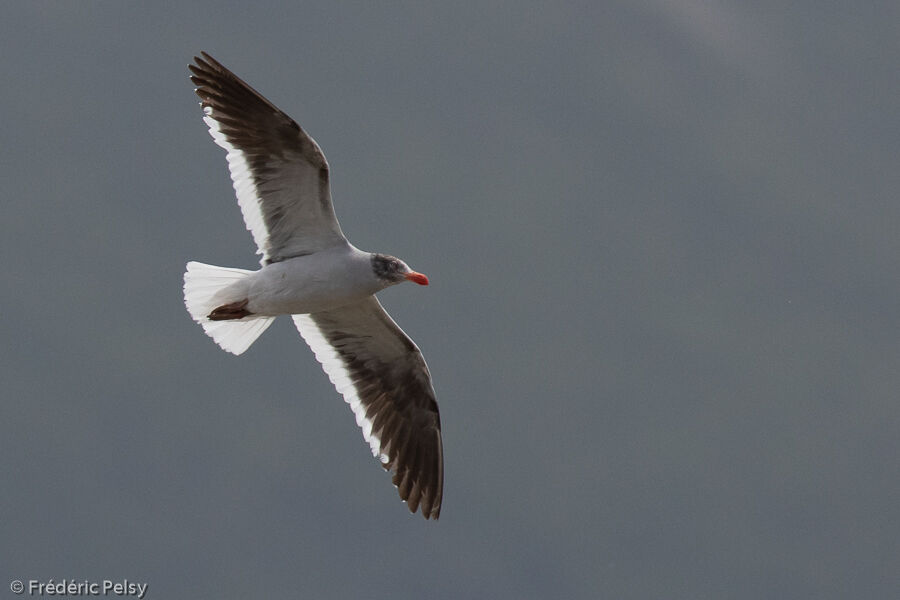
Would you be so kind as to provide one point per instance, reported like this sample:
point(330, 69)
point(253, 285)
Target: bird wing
point(383, 377)
point(279, 173)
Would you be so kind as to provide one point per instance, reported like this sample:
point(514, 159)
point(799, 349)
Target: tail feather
point(205, 290)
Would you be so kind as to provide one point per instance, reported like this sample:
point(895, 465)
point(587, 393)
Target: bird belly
point(290, 289)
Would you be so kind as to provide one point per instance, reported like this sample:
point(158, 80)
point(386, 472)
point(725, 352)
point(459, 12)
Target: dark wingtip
point(208, 60)
point(433, 513)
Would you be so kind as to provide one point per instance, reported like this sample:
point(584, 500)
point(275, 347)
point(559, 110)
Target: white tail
point(203, 291)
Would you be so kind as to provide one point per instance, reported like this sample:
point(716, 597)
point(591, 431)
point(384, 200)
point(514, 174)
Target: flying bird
point(310, 271)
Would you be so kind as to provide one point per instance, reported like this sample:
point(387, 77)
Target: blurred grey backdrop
point(663, 321)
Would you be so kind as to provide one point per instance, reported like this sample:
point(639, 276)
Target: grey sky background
point(663, 321)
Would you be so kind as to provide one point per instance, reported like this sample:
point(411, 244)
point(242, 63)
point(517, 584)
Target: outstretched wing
point(382, 375)
point(279, 173)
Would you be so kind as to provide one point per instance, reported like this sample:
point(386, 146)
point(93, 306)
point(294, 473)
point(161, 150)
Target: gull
point(310, 271)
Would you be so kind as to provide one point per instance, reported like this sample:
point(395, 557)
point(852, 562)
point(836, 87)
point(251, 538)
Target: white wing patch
point(244, 187)
point(339, 375)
